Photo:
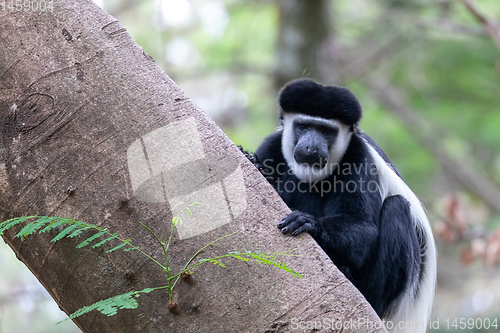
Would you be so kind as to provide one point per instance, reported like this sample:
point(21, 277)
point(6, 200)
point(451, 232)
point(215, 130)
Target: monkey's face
point(313, 146)
point(312, 142)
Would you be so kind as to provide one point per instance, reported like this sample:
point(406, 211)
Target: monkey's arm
point(346, 239)
point(378, 258)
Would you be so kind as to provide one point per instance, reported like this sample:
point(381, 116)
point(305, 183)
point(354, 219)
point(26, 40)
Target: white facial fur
point(305, 172)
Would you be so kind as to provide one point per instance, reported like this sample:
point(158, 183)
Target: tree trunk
point(92, 129)
point(303, 41)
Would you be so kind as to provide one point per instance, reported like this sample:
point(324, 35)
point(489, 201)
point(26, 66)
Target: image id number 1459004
point(471, 323)
point(26, 5)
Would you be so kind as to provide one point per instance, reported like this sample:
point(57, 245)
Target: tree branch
point(451, 26)
point(490, 25)
point(396, 102)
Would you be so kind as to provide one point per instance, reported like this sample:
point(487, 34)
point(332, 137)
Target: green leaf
point(56, 223)
point(118, 247)
point(12, 222)
point(91, 239)
point(216, 262)
point(63, 233)
point(241, 258)
point(265, 258)
point(110, 306)
point(146, 291)
point(31, 227)
point(115, 235)
point(79, 231)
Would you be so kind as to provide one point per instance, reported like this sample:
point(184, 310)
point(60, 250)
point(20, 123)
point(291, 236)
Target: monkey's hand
point(252, 158)
point(297, 222)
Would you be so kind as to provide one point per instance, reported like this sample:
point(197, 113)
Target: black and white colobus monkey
point(347, 195)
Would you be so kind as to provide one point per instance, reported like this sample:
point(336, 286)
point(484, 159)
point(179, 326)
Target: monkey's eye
point(327, 131)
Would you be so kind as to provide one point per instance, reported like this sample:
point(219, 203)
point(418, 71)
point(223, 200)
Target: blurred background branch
point(490, 25)
point(464, 172)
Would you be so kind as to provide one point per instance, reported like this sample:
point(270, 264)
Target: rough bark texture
point(79, 100)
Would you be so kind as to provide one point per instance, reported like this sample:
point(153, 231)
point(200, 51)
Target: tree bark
point(92, 129)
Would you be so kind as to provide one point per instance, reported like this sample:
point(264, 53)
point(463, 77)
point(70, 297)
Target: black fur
point(308, 97)
point(251, 158)
point(372, 241)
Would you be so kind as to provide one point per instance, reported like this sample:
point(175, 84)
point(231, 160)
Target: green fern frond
point(261, 258)
point(271, 260)
point(40, 224)
point(34, 226)
point(110, 306)
point(69, 228)
point(264, 258)
point(6, 225)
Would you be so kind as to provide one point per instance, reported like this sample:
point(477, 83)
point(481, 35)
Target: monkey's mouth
point(311, 161)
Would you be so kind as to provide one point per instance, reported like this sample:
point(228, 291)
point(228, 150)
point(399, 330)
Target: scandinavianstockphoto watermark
point(325, 187)
point(347, 178)
point(358, 324)
point(362, 324)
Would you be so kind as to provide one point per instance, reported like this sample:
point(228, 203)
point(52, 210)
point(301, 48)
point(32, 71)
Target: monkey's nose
point(309, 155)
point(312, 150)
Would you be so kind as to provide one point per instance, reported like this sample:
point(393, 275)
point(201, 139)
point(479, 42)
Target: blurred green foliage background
point(425, 71)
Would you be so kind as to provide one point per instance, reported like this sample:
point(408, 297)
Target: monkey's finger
point(286, 221)
point(303, 228)
point(293, 225)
